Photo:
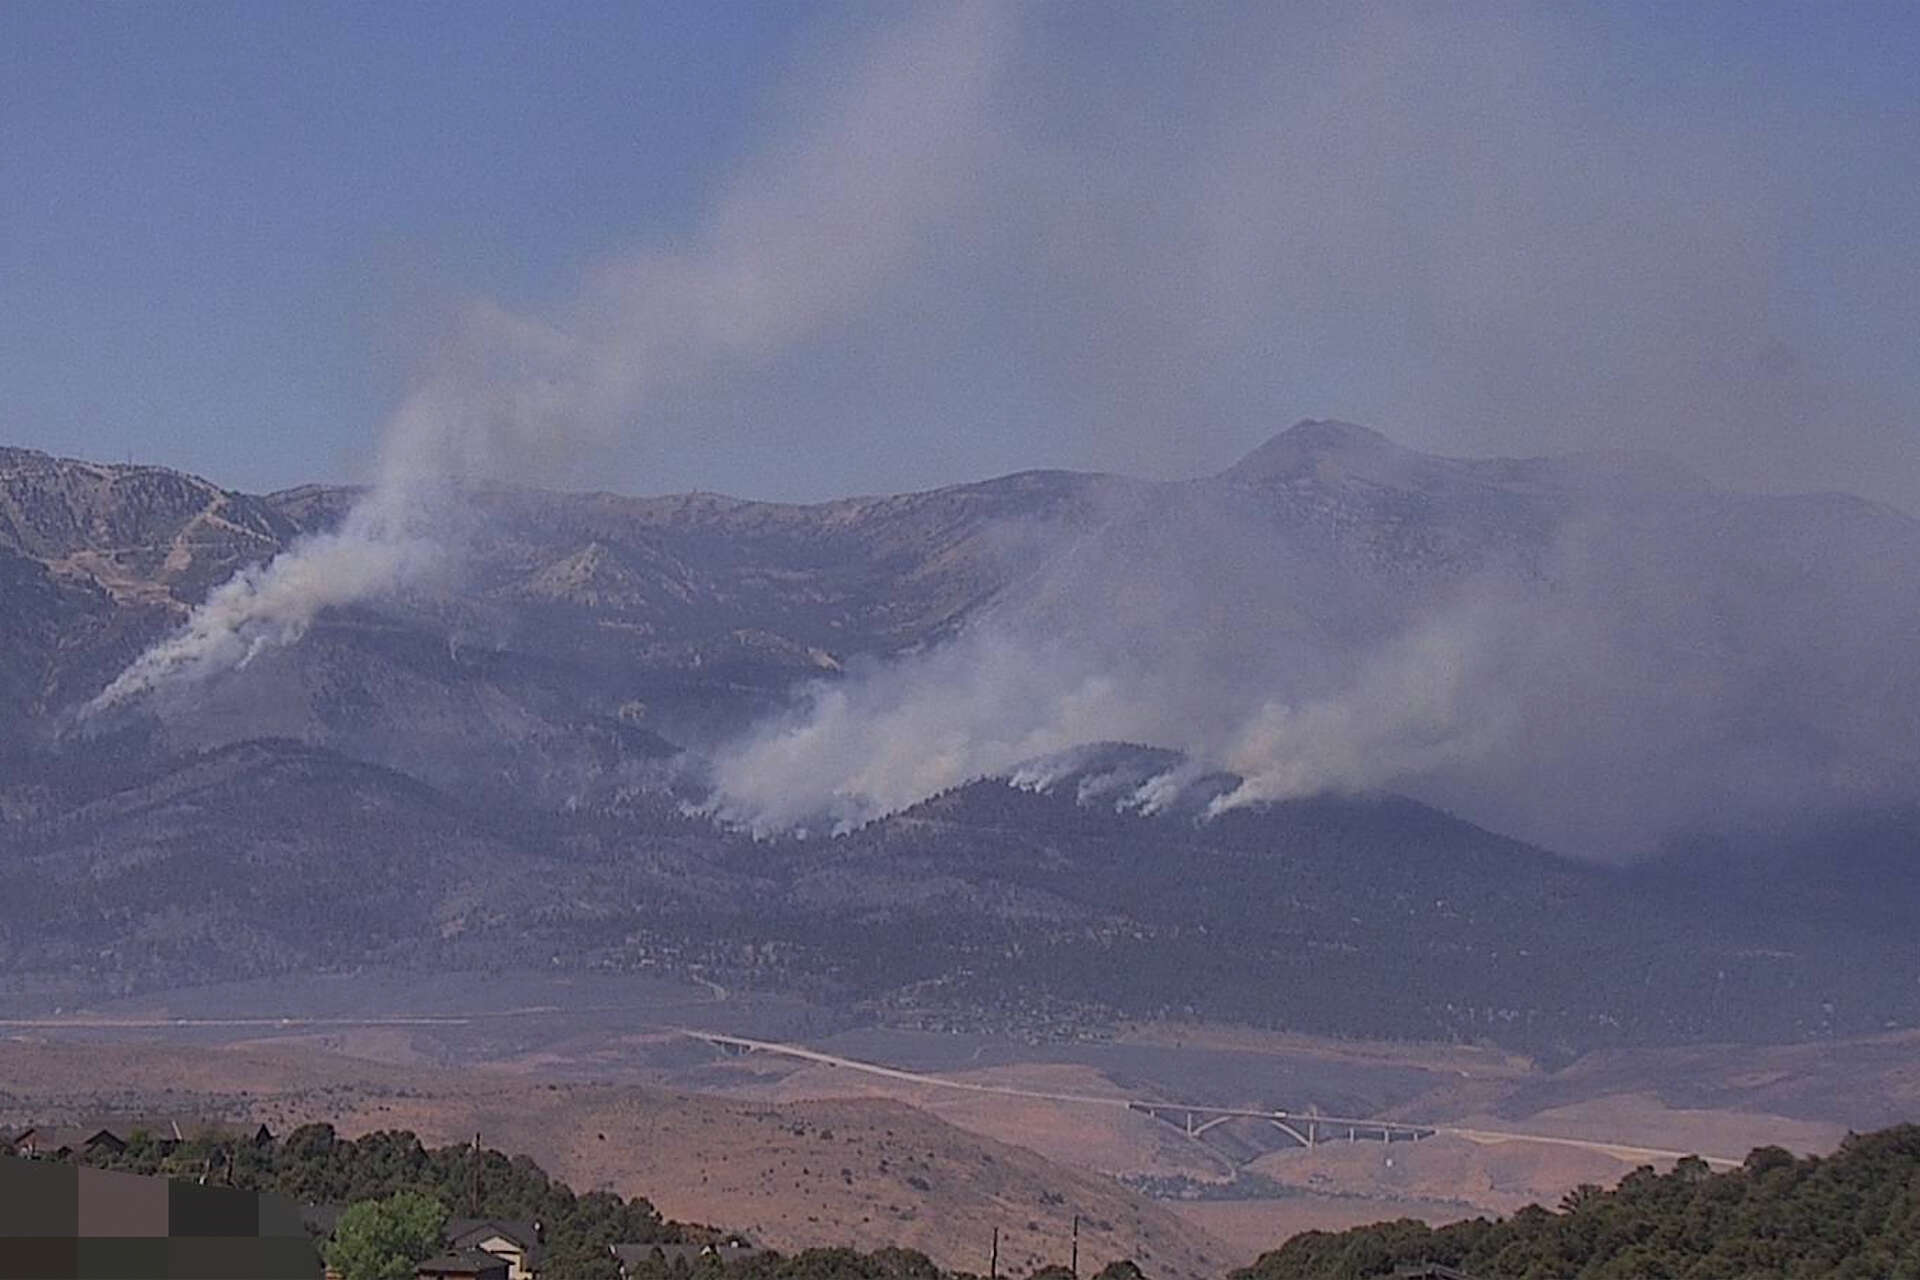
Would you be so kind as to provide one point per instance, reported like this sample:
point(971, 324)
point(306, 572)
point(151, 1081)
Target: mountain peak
point(1331, 433)
point(12, 459)
point(1311, 444)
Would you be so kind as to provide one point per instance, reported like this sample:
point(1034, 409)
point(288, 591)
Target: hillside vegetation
point(314, 1166)
point(509, 768)
point(1855, 1214)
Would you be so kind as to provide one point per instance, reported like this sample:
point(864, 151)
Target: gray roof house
point(521, 1245)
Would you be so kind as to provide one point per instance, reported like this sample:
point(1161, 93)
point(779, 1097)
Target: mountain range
point(534, 757)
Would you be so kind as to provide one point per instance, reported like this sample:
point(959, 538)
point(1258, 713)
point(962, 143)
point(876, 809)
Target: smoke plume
point(994, 239)
point(804, 235)
point(378, 549)
point(1591, 656)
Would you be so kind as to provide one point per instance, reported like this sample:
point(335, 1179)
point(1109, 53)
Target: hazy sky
point(954, 243)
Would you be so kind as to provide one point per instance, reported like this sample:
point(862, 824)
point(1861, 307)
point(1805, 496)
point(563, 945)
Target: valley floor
point(959, 1135)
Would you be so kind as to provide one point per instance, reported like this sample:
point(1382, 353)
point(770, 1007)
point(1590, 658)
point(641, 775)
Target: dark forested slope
point(1855, 1214)
point(509, 763)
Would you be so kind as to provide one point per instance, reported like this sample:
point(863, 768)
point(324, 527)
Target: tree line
point(1854, 1215)
point(313, 1165)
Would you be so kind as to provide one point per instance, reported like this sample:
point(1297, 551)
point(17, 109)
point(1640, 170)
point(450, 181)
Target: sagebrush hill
point(506, 768)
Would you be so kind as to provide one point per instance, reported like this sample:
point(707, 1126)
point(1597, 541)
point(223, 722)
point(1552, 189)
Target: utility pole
point(1076, 1247)
point(993, 1261)
point(473, 1181)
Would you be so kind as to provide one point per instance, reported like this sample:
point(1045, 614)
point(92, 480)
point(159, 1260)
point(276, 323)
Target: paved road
point(896, 1073)
point(1620, 1150)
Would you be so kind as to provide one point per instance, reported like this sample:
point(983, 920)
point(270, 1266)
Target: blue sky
point(796, 252)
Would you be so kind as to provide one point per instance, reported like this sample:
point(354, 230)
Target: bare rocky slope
point(498, 768)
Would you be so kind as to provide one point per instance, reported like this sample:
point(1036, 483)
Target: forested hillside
point(314, 1166)
point(1853, 1214)
point(536, 758)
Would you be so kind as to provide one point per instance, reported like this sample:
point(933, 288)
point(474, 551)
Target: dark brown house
point(466, 1264)
point(46, 1142)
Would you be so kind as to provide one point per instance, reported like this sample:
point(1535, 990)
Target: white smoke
point(999, 699)
point(898, 732)
point(1145, 245)
point(1180, 618)
point(1423, 703)
point(806, 233)
point(375, 551)
point(1670, 659)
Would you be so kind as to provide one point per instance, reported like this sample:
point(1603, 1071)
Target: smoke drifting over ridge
point(803, 238)
point(1590, 654)
point(1185, 617)
point(1450, 224)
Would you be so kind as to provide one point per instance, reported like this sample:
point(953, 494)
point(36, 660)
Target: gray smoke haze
point(1138, 240)
point(1591, 655)
point(800, 240)
point(1483, 230)
point(383, 546)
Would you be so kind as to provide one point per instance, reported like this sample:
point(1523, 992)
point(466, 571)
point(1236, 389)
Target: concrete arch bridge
point(1305, 1129)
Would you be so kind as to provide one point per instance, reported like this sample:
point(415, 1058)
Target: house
point(62, 1142)
point(521, 1245)
point(104, 1140)
point(640, 1259)
point(25, 1144)
point(462, 1264)
point(44, 1142)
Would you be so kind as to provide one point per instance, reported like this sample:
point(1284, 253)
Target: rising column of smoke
point(1669, 660)
point(390, 538)
point(805, 234)
point(1004, 695)
point(378, 548)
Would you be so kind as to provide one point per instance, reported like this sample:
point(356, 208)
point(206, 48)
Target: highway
point(1158, 1107)
point(1619, 1150)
